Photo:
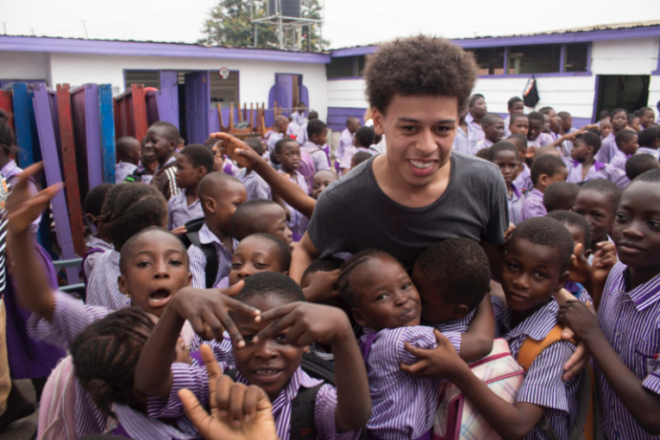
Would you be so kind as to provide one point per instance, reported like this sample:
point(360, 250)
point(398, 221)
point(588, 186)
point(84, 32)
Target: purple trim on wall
point(538, 75)
point(130, 48)
point(337, 116)
point(549, 38)
point(47, 141)
point(581, 122)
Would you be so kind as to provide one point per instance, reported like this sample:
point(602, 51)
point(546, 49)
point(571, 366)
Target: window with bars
point(150, 78)
point(542, 58)
point(490, 60)
point(340, 67)
point(576, 58)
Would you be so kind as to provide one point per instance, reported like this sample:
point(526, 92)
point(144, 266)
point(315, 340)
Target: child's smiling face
point(270, 363)
point(254, 254)
point(596, 208)
point(384, 295)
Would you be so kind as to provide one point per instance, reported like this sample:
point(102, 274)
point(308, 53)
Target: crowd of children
point(298, 293)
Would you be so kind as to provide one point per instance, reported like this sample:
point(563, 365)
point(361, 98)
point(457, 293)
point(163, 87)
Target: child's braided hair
point(105, 355)
point(344, 280)
point(130, 208)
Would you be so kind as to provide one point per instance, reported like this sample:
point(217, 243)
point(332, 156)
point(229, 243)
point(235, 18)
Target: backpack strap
point(531, 349)
point(212, 262)
point(302, 414)
point(318, 368)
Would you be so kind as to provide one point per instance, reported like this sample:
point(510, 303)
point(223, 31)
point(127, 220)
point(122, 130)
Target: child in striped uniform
point(523, 180)
point(127, 210)
point(154, 267)
point(627, 146)
point(546, 170)
point(505, 156)
point(624, 340)
point(385, 302)
point(583, 166)
point(287, 152)
point(97, 244)
point(192, 164)
point(264, 216)
point(535, 268)
point(162, 141)
point(267, 353)
point(220, 194)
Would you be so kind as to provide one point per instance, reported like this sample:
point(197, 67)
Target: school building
point(581, 71)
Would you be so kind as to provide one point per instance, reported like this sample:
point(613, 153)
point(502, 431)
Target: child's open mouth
point(159, 298)
point(268, 375)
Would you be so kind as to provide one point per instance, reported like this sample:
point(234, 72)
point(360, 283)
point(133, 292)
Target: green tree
point(229, 24)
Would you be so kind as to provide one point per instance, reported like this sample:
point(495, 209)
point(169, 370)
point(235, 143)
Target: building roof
point(616, 31)
point(149, 48)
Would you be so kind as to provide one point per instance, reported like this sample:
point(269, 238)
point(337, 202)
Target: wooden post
point(139, 101)
point(71, 175)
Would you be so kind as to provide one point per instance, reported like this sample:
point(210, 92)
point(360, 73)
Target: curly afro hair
point(419, 66)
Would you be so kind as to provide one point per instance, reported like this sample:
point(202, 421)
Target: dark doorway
point(630, 92)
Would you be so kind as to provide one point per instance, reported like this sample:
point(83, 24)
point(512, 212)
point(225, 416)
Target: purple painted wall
point(337, 116)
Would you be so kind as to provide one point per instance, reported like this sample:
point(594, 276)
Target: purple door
point(167, 97)
point(284, 92)
point(197, 106)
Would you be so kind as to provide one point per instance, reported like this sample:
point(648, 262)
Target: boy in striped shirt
point(535, 268)
point(624, 340)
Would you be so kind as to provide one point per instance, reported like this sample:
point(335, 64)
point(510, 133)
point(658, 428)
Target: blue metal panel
point(25, 126)
point(107, 132)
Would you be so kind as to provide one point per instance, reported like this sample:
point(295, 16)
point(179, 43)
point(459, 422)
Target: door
point(197, 106)
point(284, 92)
point(168, 99)
point(630, 92)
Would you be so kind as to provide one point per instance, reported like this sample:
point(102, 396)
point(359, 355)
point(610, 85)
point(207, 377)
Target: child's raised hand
point(179, 231)
point(322, 287)
point(238, 412)
point(22, 207)
point(437, 363)
point(233, 145)
point(580, 318)
point(579, 269)
point(207, 310)
point(604, 259)
point(305, 323)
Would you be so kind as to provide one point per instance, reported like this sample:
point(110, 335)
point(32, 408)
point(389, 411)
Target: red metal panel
point(70, 169)
point(139, 110)
point(6, 105)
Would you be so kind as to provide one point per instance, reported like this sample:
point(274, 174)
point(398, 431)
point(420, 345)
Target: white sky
point(347, 22)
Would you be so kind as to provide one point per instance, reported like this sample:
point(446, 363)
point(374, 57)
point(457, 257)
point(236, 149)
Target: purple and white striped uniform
point(483, 143)
point(524, 179)
point(70, 318)
point(103, 287)
point(297, 221)
point(256, 187)
point(345, 141)
point(460, 325)
point(630, 320)
point(619, 159)
point(543, 385)
point(646, 150)
point(123, 170)
point(319, 157)
point(297, 131)
point(194, 378)
point(514, 204)
point(507, 123)
point(347, 160)
point(198, 260)
point(90, 260)
point(533, 205)
point(607, 149)
point(541, 140)
point(403, 406)
point(181, 212)
point(273, 138)
point(461, 143)
point(598, 170)
point(475, 132)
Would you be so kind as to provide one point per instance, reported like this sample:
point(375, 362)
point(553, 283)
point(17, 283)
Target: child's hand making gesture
point(303, 323)
point(22, 207)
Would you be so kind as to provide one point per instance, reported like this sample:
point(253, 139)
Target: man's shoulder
point(475, 168)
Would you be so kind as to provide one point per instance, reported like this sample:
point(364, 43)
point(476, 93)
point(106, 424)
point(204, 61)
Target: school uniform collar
point(170, 161)
point(644, 295)
point(9, 170)
point(206, 237)
point(114, 256)
point(537, 326)
point(516, 191)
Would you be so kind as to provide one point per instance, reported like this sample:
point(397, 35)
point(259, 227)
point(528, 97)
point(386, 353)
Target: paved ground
point(25, 428)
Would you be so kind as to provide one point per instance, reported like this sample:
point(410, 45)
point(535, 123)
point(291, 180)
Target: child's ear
point(278, 158)
point(563, 279)
point(210, 204)
point(359, 317)
point(189, 279)
point(459, 311)
point(201, 172)
point(543, 180)
point(123, 287)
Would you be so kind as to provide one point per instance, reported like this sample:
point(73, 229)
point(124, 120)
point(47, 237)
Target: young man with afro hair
point(418, 192)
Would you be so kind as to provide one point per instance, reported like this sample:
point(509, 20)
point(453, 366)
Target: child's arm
point(477, 342)
point(643, 404)
point(207, 312)
point(306, 323)
point(288, 190)
point(34, 291)
point(513, 421)
point(567, 137)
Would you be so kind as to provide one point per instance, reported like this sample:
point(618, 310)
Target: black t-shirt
point(354, 214)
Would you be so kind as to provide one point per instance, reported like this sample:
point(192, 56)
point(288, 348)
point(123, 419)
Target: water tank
point(290, 8)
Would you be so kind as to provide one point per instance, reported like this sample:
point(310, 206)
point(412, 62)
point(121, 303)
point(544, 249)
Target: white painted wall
point(573, 94)
point(256, 77)
point(23, 65)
